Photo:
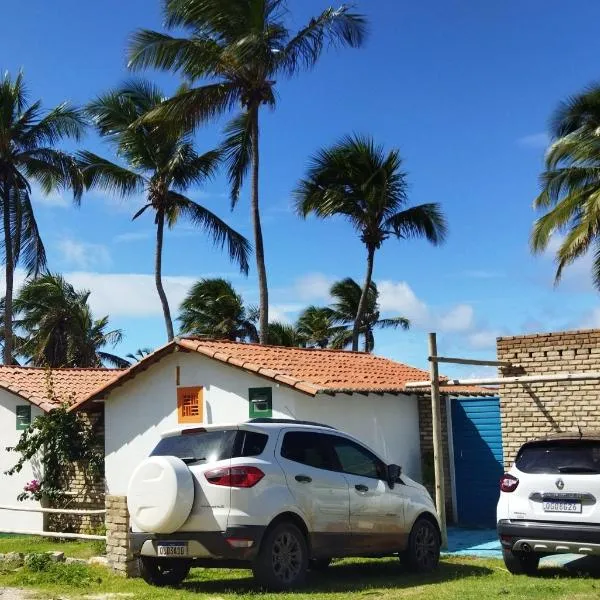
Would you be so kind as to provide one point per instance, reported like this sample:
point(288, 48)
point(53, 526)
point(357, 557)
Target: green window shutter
point(23, 417)
point(261, 402)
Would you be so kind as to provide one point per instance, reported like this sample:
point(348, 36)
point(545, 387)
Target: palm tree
point(571, 184)
point(55, 326)
point(27, 154)
point(138, 355)
point(161, 163)
point(214, 309)
point(356, 179)
point(317, 327)
point(346, 294)
point(284, 334)
point(240, 50)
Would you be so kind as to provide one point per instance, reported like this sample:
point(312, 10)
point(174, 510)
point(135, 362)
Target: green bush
point(38, 562)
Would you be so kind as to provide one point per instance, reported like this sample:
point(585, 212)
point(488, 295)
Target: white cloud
point(129, 294)
point(83, 255)
point(399, 297)
point(483, 339)
point(535, 140)
point(458, 318)
point(286, 313)
point(312, 287)
point(133, 236)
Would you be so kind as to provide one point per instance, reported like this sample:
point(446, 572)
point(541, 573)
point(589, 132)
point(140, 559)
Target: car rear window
point(201, 446)
point(581, 457)
point(211, 446)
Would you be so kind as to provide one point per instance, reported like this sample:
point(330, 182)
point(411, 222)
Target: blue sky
point(463, 88)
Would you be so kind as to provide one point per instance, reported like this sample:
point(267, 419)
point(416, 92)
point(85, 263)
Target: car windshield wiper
point(191, 459)
point(577, 469)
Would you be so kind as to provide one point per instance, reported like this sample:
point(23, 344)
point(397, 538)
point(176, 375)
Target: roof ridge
point(68, 369)
point(201, 339)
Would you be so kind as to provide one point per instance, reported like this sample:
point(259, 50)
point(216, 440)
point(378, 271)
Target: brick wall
point(84, 491)
point(536, 409)
point(426, 435)
point(118, 550)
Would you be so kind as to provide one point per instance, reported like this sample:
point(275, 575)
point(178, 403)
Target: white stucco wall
point(12, 486)
point(138, 411)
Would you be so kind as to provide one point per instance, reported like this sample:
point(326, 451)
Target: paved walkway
point(484, 543)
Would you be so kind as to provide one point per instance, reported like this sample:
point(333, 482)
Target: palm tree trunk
point(10, 273)
point(363, 299)
point(160, 227)
point(263, 290)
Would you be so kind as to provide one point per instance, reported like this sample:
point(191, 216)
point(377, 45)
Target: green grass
point(384, 579)
point(31, 544)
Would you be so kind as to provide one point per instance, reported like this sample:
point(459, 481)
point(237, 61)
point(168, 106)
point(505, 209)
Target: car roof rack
point(259, 420)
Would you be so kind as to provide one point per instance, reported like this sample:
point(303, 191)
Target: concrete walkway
point(484, 543)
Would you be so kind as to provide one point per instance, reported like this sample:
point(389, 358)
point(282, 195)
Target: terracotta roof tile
point(313, 370)
point(308, 370)
point(70, 385)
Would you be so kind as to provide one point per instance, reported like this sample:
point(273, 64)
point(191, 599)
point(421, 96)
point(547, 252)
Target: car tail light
point(242, 477)
point(508, 483)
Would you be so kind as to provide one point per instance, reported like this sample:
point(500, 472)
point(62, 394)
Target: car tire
point(161, 572)
point(520, 563)
point(282, 561)
point(423, 552)
point(319, 564)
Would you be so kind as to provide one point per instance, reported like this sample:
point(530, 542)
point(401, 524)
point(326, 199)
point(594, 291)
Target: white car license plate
point(562, 506)
point(172, 549)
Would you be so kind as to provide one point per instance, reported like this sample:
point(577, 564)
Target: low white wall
point(12, 486)
point(138, 411)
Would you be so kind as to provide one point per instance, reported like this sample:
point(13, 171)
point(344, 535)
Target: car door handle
point(303, 478)
point(361, 488)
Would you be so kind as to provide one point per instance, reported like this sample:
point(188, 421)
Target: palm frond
point(61, 122)
point(100, 173)
point(221, 234)
point(237, 151)
point(193, 58)
point(334, 27)
point(424, 220)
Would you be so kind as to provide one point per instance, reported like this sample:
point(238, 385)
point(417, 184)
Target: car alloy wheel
point(286, 557)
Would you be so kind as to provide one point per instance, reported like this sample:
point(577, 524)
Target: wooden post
point(438, 446)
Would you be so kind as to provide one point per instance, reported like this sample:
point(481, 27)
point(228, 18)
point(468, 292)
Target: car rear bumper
point(546, 537)
point(235, 544)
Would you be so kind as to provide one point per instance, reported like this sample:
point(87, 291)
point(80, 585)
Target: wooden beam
point(470, 361)
point(590, 375)
point(438, 447)
point(60, 511)
point(54, 534)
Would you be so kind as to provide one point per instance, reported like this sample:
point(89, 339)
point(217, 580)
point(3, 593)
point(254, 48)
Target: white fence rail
point(54, 534)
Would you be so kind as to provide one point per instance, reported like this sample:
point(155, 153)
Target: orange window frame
point(190, 405)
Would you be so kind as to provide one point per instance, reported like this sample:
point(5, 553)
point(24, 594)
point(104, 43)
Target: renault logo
point(560, 484)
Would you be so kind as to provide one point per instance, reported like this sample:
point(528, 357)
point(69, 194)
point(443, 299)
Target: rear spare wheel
point(160, 494)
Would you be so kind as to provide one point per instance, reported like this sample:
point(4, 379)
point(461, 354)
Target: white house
point(24, 394)
point(203, 381)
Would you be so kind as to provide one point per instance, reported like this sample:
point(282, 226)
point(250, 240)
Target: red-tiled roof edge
point(302, 385)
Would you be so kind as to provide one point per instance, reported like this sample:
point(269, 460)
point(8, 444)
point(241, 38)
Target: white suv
point(550, 501)
point(277, 496)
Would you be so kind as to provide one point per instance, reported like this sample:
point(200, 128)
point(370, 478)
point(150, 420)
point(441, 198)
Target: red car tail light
point(240, 477)
point(508, 483)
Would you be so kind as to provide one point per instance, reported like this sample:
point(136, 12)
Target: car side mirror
point(394, 472)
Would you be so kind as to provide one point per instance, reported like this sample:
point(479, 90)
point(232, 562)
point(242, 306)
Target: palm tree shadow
point(349, 577)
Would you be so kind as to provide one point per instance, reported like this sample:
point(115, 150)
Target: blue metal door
point(477, 441)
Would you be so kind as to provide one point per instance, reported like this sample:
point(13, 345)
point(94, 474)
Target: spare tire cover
point(160, 494)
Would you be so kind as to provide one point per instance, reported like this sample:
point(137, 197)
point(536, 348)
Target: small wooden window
point(261, 402)
point(190, 405)
point(23, 417)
